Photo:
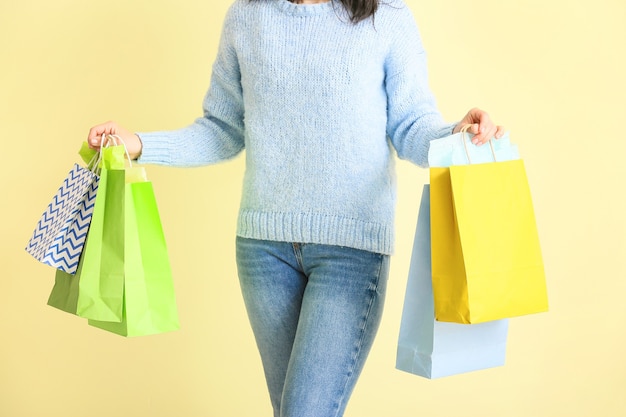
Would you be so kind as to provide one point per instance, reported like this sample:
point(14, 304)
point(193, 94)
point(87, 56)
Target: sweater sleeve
point(216, 136)
point(413, 119)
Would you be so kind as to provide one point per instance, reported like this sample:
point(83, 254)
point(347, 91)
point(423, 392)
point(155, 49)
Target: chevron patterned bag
point(60, 234)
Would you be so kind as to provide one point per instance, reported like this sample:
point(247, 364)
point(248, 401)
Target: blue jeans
point(314, 310)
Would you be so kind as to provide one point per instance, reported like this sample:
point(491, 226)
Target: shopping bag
point(101, 284)
point(59, 236)
point(457, 149)
point(64, 294)
point(435, 349)
point(149, 305)
point(486, 258)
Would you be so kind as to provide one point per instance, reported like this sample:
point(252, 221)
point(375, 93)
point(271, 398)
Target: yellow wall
point(551, 71)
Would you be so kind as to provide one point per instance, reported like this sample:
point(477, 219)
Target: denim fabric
point(314, 310)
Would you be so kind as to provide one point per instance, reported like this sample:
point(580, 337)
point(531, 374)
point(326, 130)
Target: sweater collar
point(305, 9)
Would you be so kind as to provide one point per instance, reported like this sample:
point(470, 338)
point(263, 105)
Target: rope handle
point(115, 140)
point(464, 130)
point(92, 165)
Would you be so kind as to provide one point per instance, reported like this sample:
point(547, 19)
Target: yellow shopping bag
point(486, 258)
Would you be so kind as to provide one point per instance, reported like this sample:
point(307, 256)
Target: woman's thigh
point(272, 289)
point(339, 317)
point(314, 310)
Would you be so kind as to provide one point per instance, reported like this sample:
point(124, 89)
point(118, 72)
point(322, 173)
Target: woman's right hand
point(131, 140)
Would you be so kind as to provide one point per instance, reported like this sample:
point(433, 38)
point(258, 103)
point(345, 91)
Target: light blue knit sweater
point(318, 103)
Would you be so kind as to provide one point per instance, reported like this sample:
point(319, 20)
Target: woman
point(318, 93)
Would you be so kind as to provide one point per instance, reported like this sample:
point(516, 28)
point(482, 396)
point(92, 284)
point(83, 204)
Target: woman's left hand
point(481, 126)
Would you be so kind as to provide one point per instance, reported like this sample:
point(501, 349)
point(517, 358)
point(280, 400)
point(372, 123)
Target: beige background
point(551, 71)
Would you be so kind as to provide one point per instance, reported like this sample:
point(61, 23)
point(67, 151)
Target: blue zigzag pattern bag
point(60, 234)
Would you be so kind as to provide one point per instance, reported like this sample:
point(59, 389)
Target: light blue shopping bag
point(458, 149)
point(435, 349)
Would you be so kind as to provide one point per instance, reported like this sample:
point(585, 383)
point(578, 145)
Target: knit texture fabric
point(319, 104)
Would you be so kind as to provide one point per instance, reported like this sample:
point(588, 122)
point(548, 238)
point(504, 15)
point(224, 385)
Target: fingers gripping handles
point(464, 130)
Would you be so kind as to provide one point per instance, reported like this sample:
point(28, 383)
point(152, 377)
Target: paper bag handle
point(464, 130)
point(93, 158)
point(114, 139)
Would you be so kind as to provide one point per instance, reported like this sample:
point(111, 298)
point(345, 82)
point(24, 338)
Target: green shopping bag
point(149, 302)
point(64, 294)
point(101, 279)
